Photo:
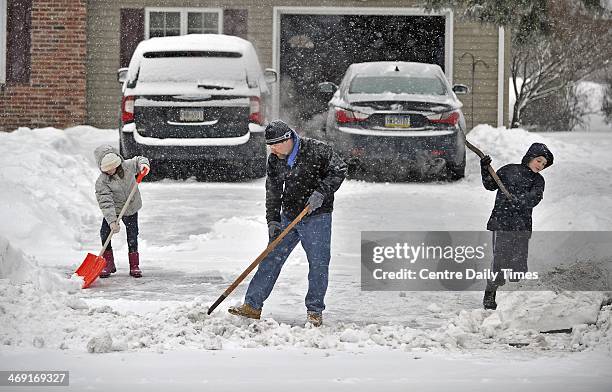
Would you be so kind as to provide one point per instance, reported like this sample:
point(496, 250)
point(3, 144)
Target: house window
point(164, 22)
point(3, 32)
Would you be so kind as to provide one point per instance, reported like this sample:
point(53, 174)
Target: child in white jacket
point(116, 180)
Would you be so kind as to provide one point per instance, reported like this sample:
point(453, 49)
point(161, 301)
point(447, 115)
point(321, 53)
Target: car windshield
point(191, 66)
point(396, 85)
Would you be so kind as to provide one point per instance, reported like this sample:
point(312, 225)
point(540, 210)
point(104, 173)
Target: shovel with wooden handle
point(93, 265)
point(258, 260)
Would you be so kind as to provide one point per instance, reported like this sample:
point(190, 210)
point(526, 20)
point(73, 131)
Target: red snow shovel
point(258, 260)
point(93, 265)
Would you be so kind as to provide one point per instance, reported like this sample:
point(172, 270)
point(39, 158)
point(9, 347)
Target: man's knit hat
point(277, 132)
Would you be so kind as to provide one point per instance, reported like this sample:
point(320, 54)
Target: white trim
point(128, 128)
point(3, 33)
point(372, 132)
point(256, 128)
point(501, 47)
point(192, 124)
point(213, 141)
point(278, 11)
point(183, 18)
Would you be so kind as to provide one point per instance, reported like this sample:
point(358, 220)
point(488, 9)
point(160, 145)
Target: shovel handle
point(258, 260)
point(492, 172)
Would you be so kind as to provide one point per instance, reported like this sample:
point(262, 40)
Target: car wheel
point(456, 172)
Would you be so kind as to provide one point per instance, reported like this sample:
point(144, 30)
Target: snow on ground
point(197, 237)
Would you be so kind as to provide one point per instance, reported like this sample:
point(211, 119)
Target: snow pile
point(503, 145)
point(28, 293)
point(47, 187)
point(100, 344)
point(102, 329)
point(547, 311)
point(18, 269)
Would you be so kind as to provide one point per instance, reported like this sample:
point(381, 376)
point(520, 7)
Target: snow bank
point(47, 181)
point(18, 269)
point(548, 311)
point(103, 329)
point(503, 145)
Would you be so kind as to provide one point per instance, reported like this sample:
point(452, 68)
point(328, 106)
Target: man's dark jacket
point(526, 187)
point(316, 168)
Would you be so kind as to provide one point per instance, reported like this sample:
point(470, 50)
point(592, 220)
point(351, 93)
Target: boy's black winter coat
point(524, 185)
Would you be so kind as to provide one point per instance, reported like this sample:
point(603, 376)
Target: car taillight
point(127, 109)
point(256, 111)
point(450, 118)
point(348, 116)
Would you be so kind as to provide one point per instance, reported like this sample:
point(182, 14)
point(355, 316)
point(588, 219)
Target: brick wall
point(55, 93)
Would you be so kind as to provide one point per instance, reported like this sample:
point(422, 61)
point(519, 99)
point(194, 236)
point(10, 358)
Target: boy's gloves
point(115, 227)
point(145, 169)
point(485, 161)
point(315, 201)
point(274, 230)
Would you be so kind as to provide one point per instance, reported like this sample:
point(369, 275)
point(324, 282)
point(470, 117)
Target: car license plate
point(191, 115)
point(394, 121)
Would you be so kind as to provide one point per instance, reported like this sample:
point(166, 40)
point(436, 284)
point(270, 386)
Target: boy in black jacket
point(510, 219)
point(300, 172)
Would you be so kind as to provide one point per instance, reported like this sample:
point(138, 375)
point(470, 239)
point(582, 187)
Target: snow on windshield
point(193, 69)
point(397, 85)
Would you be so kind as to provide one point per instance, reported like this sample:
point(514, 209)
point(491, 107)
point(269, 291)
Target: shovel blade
point(90, 269)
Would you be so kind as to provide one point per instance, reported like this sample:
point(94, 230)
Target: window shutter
point(132, 32)
point(235, 22)
point(19, 42)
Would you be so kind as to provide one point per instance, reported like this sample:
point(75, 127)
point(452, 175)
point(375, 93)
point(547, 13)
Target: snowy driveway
point(197, 237)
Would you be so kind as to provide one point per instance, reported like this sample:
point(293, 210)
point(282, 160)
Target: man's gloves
point(274, 230)
point(485, 161)
point(114, 227)
point(315, 201)
point(144, 169)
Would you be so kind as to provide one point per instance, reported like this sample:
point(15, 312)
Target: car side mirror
point(461, 89)
point(270, 75)
point(327, 87)
point(122, 75)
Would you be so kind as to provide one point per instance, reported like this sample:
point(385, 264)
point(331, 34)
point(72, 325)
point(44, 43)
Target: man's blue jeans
point(314, 232)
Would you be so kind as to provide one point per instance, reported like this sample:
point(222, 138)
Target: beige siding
point(103, 92)
point(482, 43)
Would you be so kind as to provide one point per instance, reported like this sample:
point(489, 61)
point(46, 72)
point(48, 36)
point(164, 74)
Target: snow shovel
point(93, 265)
point(258, 260)
point(480, 154)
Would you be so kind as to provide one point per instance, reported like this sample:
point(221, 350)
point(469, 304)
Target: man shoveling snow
point(301, 171)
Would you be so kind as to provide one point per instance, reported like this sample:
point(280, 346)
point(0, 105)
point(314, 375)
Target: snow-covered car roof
point(397, 68)
point(212, 42)
point(197, 42)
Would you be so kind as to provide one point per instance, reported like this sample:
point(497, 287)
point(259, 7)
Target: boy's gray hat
point(110, 161)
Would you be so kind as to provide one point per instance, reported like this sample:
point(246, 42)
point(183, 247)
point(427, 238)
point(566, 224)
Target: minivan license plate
point(191, 115)
point(394, 121)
